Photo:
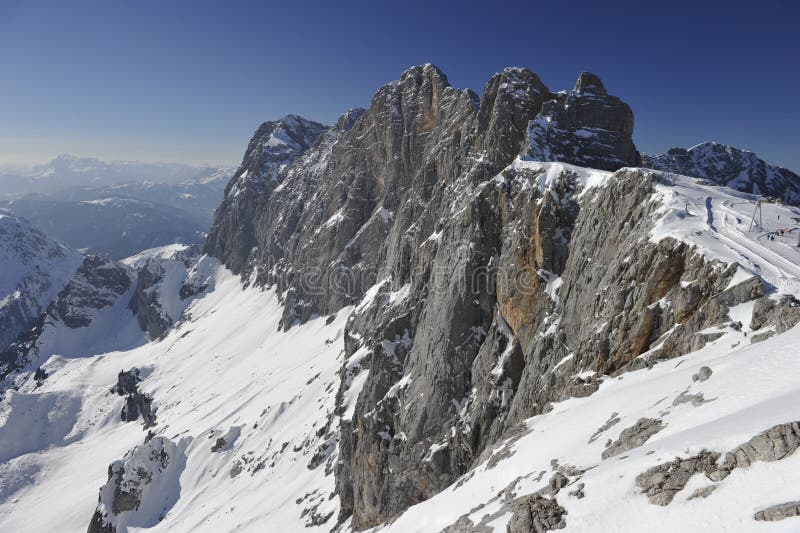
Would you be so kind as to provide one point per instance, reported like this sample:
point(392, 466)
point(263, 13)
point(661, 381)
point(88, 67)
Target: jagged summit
point(418, 133)
point(589, 83)
point(274, 145)
point(283, 138)
point(349, 117)
point(586, 127)
point(428, 70)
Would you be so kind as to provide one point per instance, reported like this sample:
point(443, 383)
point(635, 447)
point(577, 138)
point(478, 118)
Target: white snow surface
point(719, 222)
point(33, 270)
point(548, 173)
point(225, 367)
point(225, 370)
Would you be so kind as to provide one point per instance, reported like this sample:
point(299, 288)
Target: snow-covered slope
point(725, 165)
point(726, 224)
point(245, 434)
point(33, 270)
point(225, 373)
point(751, 389)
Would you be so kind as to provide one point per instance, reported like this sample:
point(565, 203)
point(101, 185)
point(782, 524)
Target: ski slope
point(719, 221)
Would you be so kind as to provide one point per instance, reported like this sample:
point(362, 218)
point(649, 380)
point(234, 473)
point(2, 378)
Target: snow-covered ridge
point(33, 270)
point(247, 407)
point(548, 173)
point(735, 168)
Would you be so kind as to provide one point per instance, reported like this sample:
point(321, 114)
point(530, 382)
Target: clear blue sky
point(191, 80)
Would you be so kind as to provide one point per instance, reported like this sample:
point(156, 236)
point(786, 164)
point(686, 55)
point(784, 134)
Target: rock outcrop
point(137, 403)
point(634, 436)
point(585, 127)
point(778, 512)
point(165, 286)
point(273, 146)
point(141, 487)
point(662, 482)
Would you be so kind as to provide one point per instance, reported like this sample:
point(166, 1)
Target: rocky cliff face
point(544, 291)
point(273, 146)
point(586, 127)
point(725, 165)
point(486, 285)
point(372, 189)
point(394, 201)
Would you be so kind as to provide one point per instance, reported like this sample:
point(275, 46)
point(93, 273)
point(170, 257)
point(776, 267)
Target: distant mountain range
point(118, 208)
point(67, 171)
point(731, 167)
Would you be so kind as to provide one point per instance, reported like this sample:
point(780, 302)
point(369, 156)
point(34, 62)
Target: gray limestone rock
point(608, 424)
point(703, 492)
point(662, 482)
point(130, 482)
point(274, 145)
point(634, 436)
point(137, 404)
point(703, 374)
point(778, 512)
point(536, 513)
point(780, 315)
point(695, 399)
point(586, 127)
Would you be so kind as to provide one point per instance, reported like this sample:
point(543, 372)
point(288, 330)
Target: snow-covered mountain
point(70, 170)
point(436, 315)
point(199, 197)
point(33, 270)
point(111, 226)
point(732, 167)
point(94, 206)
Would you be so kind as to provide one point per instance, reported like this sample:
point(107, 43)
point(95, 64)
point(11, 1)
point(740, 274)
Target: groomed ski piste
point(225, 371)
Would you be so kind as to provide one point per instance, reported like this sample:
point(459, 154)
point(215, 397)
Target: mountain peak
point(587, 127)
point(427, 72)
point(349, 117)
point(590, 84)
